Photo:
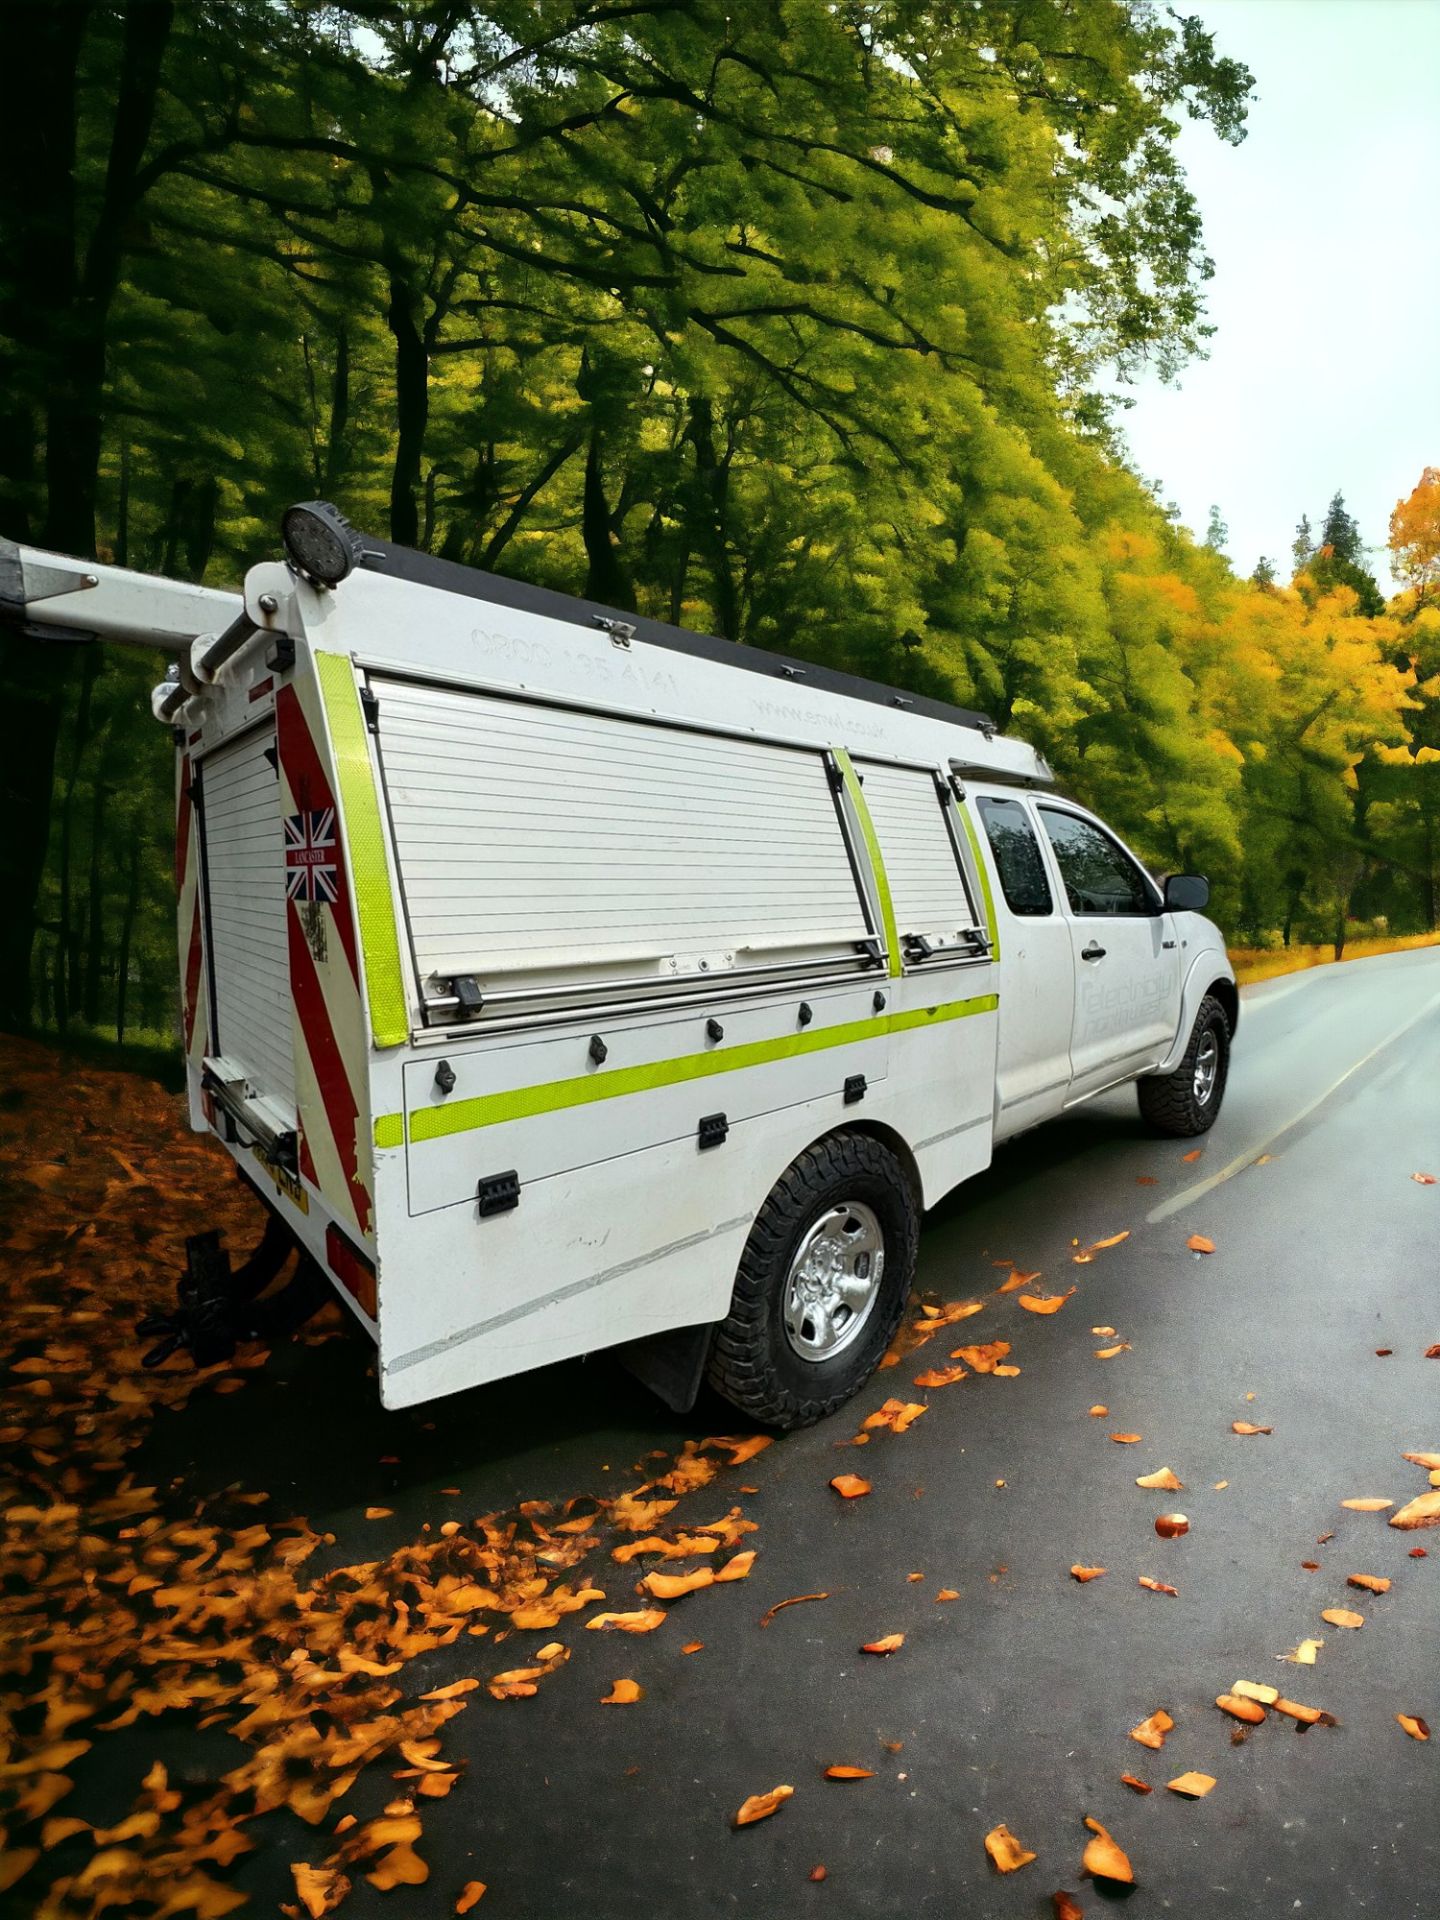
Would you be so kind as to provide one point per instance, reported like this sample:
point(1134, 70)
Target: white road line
point(1251, 1154)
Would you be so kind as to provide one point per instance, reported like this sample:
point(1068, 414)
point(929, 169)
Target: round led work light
point(321, 543)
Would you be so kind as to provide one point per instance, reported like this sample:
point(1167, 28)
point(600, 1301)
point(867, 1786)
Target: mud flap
point(671, 1364)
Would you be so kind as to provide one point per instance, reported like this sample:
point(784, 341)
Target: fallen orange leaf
point(320, 1889)
point(1197, 1243)
point(983, 1359)
point(453, 1691)
point(624, 1693)
point(1194, 1153)
point(1253, 1690)
point(1244, 1426)
point(796, 1600)
point(1430, 1460)
point(1109, 1353)
point(850, 1486)
point(1065, 1907)
point(849, 1773)
point(1240, 1708)
point(1097, 1412)
point(1367, 1506)
point(1017, 1280)
point(1170, 1526)
point(400, 1867)
point(1140, 1786)
point(1158, 1586)
point(1006, 1851)
point(897, 1415)
point(737, 1567)
point(1342, 1617)
point(1098, 1246)
point(1369, 1582)
point(1126, 1439)
point(1309, 1715)
point(1414, 1726)
point(1104, 1859)
point(378, 1513)
point(670, 1586)
point(947, 1593)
point(1424, 1179)
point(760, 1806)
point(470, 1893)
point(816, 1874)
point(1152, 1731)
point(693, 1646)
point(892, 1643)
point(1082, 1574)
point(941, 1376)
point(1161, 1479)
point(644, 1621)
point(1044, 1302)
point(1423, 1511)
point(1304, 1654)
point(1194, 1786)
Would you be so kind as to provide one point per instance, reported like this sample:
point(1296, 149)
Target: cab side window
point(1017, 857)
point(1100, 878)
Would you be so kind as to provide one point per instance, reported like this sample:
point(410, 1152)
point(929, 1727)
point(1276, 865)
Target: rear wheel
point(1186, 1101)
point(821, 1285)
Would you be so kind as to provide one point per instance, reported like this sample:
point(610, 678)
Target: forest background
point(797, 321)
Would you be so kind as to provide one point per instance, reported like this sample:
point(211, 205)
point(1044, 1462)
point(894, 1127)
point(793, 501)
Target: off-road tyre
point(752, 1364)
point(1168, 1102)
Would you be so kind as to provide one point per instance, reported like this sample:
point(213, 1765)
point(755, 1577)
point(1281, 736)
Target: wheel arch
point(1228, 994)
point(887, 1137)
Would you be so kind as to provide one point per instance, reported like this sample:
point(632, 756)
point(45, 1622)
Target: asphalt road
point(1013, 1702)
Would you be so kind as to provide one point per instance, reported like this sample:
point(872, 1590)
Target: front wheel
point(822, 1283)
point(1186, 1101)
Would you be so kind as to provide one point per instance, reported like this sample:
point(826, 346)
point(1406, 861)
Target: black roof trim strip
point(425, 570)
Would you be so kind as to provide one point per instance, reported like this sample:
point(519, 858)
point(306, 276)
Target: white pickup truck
point(561, 980)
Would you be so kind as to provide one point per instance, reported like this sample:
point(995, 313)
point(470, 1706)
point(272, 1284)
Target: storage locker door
point(249, 952)
point(537, 844)
point(922, 863)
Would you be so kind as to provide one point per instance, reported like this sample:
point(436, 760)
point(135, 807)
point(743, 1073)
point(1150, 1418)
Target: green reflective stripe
point(524, 1103)
point(365, 845)
point(872, 847)
point(992, 924)
point(390, 1130)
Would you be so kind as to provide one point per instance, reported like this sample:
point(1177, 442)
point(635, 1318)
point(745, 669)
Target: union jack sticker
point(311, 869)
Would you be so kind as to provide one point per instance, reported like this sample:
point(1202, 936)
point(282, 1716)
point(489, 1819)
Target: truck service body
point(531, 951)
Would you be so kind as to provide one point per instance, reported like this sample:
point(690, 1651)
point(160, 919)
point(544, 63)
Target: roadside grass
point(1265, 963)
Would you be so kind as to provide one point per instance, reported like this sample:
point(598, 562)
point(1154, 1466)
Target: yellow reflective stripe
point(992, 924)
point(872, 847)
point(390, 1130)
point(365, 846)
point(524, 1103)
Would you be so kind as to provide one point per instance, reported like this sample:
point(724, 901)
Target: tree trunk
point(127, 928)
point(605, 578)
point(122, 509)
point(713, 474)
point(339, 416)
point(66, 982)
point(412, 407)
point(95, 895)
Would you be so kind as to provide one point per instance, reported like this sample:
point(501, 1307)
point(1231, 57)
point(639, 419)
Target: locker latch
point(854, 1089)
point(497, 1193)
point(712, 1130)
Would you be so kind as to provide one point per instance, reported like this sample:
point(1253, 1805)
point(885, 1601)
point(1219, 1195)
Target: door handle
point(1092, 952)
point(1167, 945)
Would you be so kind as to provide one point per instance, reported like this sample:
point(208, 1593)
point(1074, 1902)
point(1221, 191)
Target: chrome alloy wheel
point(834, 1281)
point(1207, 1066)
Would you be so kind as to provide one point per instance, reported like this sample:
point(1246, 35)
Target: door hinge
point(497, 1193)
point(712, 1130)
point(370, 706)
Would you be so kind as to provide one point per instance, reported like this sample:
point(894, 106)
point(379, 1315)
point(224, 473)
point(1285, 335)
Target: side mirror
point(1186, 893)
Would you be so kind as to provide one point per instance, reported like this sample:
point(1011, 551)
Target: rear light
point(354, 1272)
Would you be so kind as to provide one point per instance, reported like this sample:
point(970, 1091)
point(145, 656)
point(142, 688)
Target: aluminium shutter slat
point(532, 838)
point(927, 888)
point(246, 918)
